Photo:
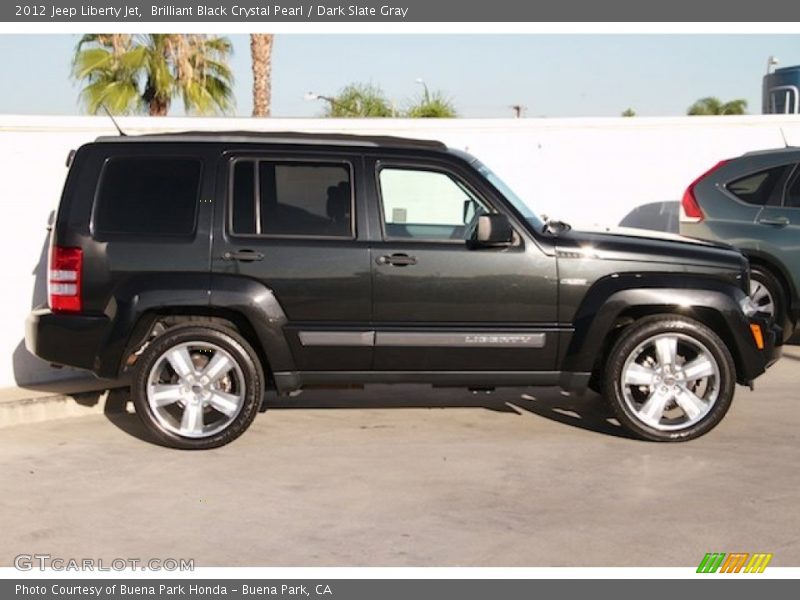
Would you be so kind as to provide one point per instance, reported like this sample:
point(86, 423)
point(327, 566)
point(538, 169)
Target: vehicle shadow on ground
point(118, 410)
point(588, 412)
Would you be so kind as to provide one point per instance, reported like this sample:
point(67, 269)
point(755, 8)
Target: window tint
point(764, 188)
point(427, 205)
point(792, 199)
point(148, 196)
point(272, 198)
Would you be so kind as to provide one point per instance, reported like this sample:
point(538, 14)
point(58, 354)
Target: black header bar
point(409, 11)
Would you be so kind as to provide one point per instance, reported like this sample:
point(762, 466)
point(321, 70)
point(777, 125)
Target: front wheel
point(198, 387)
point(670, 378)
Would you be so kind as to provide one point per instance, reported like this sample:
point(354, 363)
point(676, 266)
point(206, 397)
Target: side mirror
point(492, 230)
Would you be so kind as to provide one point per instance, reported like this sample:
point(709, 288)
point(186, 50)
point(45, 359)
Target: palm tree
point(432, 106)
point(145, 73)
point(715, 106)
point(112, 66)
point(261, 53)
point(359, 100)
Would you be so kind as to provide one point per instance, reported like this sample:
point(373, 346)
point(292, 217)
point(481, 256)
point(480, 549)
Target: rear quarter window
point(142, 196)
point(764, 188)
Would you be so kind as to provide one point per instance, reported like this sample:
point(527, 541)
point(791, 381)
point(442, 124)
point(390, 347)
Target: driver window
point(427, 205)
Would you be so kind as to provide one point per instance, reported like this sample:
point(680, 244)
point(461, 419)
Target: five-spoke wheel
point(670, 378)
point(195, 389)
point(670, 381)
point(198, 387)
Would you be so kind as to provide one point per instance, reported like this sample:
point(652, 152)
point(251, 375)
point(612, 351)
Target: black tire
point(251, 386)
point(689, 331)
point(766, 278)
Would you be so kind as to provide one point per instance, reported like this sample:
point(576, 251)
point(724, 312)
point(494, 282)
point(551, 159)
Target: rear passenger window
point(291, 199)
point(147, 196)
point(764, 188)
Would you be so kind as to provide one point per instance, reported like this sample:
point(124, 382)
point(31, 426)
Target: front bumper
point(66, 339)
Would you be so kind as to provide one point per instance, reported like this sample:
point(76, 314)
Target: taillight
point(690, 209)
point(64, 279)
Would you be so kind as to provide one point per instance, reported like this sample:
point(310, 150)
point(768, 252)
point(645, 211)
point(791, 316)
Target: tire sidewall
point(647, 328)
point(241, 352)
point(767, 279)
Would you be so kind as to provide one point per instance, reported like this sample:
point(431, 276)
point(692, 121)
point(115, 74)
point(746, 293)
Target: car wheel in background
point(768, 295)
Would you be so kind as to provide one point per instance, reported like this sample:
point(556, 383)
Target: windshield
point(518, 203)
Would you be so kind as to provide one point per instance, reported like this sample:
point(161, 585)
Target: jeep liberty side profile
point(209, 267)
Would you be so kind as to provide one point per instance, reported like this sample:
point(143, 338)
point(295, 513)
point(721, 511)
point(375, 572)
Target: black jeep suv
point(213, 265)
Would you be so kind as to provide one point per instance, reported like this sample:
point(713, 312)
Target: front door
point(293, 223)
point(440, 305)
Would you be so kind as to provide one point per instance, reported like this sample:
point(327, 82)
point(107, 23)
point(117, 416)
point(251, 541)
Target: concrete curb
point(24, 405)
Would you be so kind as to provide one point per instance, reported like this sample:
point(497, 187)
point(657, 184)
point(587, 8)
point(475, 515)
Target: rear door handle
point(397, 260)
point(243, 255)
point(775, 221)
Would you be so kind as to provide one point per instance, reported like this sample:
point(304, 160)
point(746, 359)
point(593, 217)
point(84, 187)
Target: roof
point(783, 150)
point(288, 138)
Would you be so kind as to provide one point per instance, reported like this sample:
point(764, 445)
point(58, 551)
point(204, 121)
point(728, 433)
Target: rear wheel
point(670, 378)
point(198, 386)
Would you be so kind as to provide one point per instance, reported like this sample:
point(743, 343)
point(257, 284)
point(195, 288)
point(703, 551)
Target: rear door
point(293, 222)
point(780, 227)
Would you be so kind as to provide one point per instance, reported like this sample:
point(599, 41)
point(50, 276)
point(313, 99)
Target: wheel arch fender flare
point(201, 292)
point(258, 304)
point(134, 299)
point(717, 303)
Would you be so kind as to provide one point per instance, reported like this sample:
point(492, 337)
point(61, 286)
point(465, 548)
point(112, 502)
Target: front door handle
point(243, 255)
point(774, 221)
point(397, 260)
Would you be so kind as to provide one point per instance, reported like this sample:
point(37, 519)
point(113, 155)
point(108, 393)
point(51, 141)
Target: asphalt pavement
point(413, 476)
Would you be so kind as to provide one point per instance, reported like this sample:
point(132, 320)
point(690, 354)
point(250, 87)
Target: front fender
point(608, 301)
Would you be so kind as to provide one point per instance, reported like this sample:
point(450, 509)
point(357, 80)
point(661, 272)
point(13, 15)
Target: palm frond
point(145, 72)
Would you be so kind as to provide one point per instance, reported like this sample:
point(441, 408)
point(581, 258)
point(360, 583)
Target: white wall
point(584, 171)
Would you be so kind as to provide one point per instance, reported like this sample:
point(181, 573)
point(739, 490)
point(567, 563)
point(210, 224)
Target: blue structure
point(781, 91)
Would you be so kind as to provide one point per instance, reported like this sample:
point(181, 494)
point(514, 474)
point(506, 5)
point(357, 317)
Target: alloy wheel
point(195, 389)
point(762, 298)
point(670, 381)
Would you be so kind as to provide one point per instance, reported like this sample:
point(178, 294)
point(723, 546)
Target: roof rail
point(288, 138)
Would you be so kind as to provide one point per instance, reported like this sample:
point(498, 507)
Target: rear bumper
point(754, 362)
point(65, 339)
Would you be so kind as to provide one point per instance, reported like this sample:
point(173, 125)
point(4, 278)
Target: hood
point(649, 246)
point(631, 232)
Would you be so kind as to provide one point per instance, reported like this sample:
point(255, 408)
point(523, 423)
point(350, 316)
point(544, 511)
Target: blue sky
point(554, 75)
